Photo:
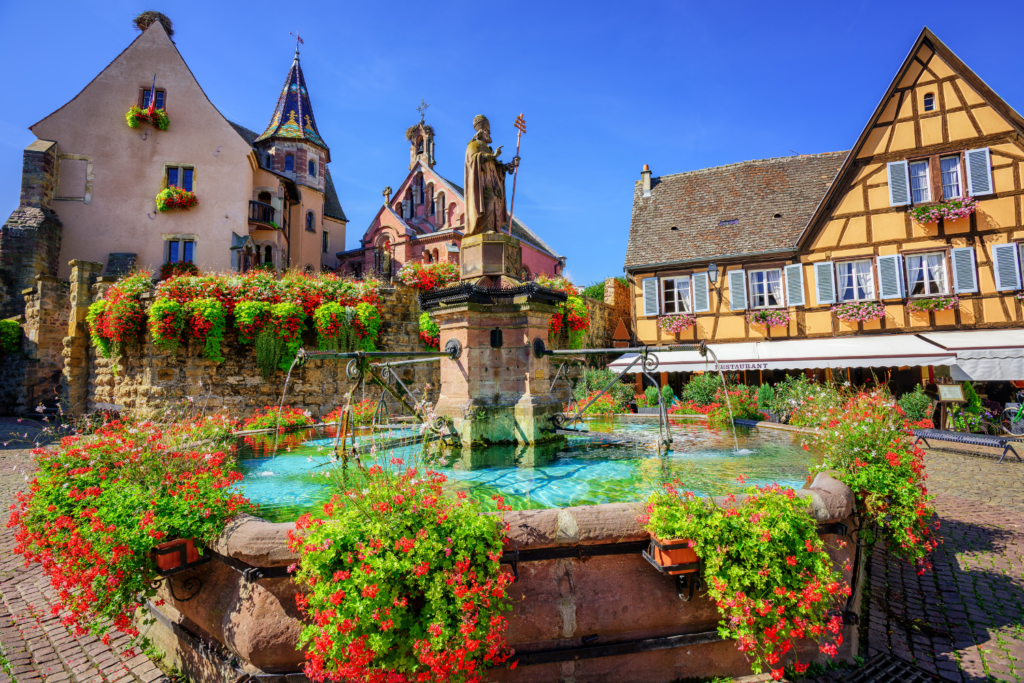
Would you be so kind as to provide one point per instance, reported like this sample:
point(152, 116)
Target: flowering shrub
point(768, 317)
point(10, 337)
point(177, 269)
point(674, 324)
point(251, 318)
point(951, 210)
point(285, 324)
point(604, 405)
point(804, 401)
point(166, 324)
point(764, 565)
point(917, 405)
point(100, 504)
point(866, 443)
point(334, 329)
point(401, 582)
point(175, 198)
point(206, 322)
point(270, 417)
point(859, 311)
point(137, 115)
point(574, 315)
point(116, 322)
point(939, 303)
point(428, 276)
point(361, 411)
point(743, 405)
point(367, 326)
point(430, 333)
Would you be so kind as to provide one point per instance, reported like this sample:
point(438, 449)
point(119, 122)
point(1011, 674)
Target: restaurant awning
point(801, 354)
point(983, 355)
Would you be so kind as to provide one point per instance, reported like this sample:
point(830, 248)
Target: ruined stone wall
point(616, 295)
point(152, 379)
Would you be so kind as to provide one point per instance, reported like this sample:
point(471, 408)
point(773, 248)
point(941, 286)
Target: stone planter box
point(567, 611)
point(647, 411)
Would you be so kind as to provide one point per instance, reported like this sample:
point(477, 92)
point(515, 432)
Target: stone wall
point(151, 379)
point(616, 295)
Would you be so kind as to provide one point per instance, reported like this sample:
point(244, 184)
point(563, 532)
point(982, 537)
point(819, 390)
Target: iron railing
point(260, 212)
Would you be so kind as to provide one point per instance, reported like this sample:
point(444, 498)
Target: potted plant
point(859, 311)
point(169, 555)
point(951, 210)
point(938, 303)
point(175, 198)
point(674, 324)
point(768, 317)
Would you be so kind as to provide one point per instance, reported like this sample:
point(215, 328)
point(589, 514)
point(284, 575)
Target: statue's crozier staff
point(485, 182)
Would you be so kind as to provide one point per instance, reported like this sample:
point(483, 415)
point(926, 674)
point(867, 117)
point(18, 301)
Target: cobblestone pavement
point(36, 646)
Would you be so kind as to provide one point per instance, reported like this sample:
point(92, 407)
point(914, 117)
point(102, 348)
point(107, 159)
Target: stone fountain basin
point(557, 603)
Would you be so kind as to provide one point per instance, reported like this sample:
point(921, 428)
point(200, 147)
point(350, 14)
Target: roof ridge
point(752, 162)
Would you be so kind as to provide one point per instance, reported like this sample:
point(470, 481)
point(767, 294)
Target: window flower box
point(768, 317)
point(175, 198)
point(137, 115)
point(175, 554)
point(669, 554)
point(952, 210)
point(859, 311)
point(674, 324)
point(938, 303)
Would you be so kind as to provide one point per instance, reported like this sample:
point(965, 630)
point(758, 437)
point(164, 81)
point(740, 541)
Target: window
point(766, 288)
point(289, 163)
point(856, 281)
point(312, 169)
point(676, 295)
point(325, 240)
point(147, 94)
point(929, 102)
point(181, 250)
point(310, 222)
point(926, 274)
point(270, 161)
point(731, 221)
point(180, 176)
point(950, 177)
point(919, 182)
point(268, 255)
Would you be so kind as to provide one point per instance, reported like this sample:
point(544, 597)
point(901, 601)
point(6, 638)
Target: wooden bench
point(970, 439)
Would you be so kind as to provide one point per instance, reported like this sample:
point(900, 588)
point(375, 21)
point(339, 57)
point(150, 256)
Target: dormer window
point(312, 169)
point(730, 221)
point(147, 95)
point(289, 163)
point(929, 102)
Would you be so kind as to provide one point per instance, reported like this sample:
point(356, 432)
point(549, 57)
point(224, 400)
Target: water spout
point(280, 406)
point(728, 403)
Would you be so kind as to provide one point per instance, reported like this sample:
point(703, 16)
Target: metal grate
point(884, 668)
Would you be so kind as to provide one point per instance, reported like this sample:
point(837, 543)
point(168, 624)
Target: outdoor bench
point(1005, 443)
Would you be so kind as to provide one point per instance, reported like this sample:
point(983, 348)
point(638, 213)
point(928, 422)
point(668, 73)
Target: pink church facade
point(423, 220)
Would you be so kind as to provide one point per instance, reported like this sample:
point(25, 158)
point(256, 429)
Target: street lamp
point(713, 272)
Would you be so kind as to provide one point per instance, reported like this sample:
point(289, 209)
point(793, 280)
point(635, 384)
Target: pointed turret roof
point(293, 116)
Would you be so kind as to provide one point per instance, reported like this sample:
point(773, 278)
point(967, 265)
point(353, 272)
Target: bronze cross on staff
point(422, 109)
point(521, 127)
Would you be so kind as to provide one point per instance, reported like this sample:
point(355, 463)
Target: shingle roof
point(728, 209)
point(293, 115)
point(519, 229)
point(332, 205)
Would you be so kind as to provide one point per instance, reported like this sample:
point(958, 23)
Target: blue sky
point(605, 86)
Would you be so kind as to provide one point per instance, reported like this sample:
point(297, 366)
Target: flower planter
point(648, 411)
point(672, 553)
point(175, 554)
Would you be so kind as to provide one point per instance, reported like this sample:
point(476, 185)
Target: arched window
point(419, 145)
point(929, 102)
point(435, 255)
point(264, 197)
point(427, 254)
point(268, 255)
point(310, 221)
point(289, 163)
point(312, 168)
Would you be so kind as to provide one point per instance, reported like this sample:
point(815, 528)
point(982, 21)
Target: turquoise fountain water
point(581, 471)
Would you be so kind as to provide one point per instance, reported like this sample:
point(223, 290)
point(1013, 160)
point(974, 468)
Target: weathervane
point(521, 127)
point(298, 41)
point(422, 109)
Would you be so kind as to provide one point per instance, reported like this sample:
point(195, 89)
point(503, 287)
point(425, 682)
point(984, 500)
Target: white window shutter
point(965, 275)
point(899, 183)
point(824, 283)
point(701, 293)
point(890, 276)
point(795, 284)
point(650, 286)
point(979, 172)
point(1006, 266)
point(737, 290)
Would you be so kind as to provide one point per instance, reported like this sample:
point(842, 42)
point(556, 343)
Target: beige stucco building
point(260, 198)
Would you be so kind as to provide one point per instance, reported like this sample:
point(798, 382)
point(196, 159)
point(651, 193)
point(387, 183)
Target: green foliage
point(765, 397)
point(667, 395)
point(269, 349)
point(916, 404)
point(167, 324)
point(250, 318)
point(136, 115)
point(94, 319)
point(595, 291)
point(764, 565)
point(208, 323)
point(430, 332)
point(651, 394)
point(270, 417)
point(333, 323)
point(368, 330)
point(592, 380)
point(286, 322)
point(805, 401)
point(973, 404)
point(701, 389)
point(10, 337)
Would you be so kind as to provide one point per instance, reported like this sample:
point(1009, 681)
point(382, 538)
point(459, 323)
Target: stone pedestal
point(491, 259)
point(497, 395)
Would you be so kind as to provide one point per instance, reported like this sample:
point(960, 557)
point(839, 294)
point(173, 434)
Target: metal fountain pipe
point(407, 362)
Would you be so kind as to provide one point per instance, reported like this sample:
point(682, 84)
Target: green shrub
point(701, 389)
point(973, 404)
point(667, 395)
point(10, 337)
point(765, 397)
point(651, 393)
point(805, 401)
point(592, 380)
point(917, 405)
point(595, 291)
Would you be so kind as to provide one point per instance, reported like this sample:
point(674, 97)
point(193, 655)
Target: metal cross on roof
point(422, 109)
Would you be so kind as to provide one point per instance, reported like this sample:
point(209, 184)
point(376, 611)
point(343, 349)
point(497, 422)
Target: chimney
point(38, 171)
point(646, 175)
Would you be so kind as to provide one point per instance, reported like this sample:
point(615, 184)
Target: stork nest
point(144, 20)
point(410, 133)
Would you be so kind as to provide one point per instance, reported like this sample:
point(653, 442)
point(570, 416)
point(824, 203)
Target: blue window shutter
point(795, 284)
point(1006, 267)
point(824, 283)
point(890, 277)
point(979, 172)
point(737, 290)
point(701, 293)
point(650, 291)
point(965, 277)
point(899, 183)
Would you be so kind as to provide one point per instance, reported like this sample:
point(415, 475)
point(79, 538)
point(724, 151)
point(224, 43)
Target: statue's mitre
point(480, 121)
